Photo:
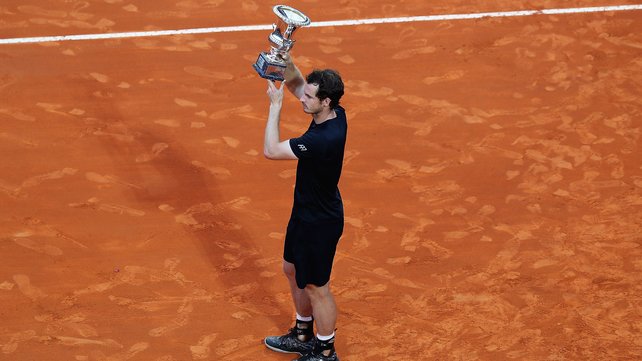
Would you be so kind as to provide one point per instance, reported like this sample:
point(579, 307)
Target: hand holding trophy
point(271, 65)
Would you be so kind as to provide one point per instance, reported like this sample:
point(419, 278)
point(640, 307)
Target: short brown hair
point(330, 85)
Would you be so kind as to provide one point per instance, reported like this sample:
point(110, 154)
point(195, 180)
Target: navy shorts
point(311, 248)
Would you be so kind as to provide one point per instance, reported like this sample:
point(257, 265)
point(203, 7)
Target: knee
point(289, 270)
point(316, 292)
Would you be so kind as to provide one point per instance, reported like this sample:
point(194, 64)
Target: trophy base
point(269, 69)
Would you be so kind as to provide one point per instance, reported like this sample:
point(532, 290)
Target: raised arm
point(294, 80)
point(273, 147)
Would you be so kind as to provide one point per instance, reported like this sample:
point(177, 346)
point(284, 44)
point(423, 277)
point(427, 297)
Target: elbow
point(268, 154)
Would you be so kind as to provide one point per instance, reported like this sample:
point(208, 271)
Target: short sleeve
point(309, 145)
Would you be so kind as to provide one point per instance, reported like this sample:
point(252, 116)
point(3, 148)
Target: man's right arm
point(294, 80)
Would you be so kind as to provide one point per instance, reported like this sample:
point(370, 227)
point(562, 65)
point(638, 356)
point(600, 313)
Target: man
point(316, 222)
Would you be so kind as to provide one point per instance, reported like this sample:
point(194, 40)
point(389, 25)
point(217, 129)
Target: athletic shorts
point(311, 248)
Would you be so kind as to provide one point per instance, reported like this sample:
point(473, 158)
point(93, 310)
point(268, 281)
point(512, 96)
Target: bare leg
point(300, 298)
point(324, 308)
point(300, 339)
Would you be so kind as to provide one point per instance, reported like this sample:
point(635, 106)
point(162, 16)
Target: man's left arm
point(273, 147)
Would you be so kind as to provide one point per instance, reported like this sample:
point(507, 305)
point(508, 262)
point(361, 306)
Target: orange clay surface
point(492, 183)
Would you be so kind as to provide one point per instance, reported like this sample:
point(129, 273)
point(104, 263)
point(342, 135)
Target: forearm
point(273, 148)
point(294, 79)
point(272, 133)
point(292, 73)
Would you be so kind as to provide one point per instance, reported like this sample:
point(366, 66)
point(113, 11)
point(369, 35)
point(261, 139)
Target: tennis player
point(316, 222)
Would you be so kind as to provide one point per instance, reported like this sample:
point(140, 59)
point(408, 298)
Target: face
point(312, 104)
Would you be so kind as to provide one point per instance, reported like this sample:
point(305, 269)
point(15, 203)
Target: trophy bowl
point(271, 65)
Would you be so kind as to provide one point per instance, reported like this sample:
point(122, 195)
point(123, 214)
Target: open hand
point(275, 94)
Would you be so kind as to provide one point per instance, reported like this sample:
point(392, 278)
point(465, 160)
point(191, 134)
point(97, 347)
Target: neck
point(323, 115)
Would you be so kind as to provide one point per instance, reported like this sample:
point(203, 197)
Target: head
point(324, 89)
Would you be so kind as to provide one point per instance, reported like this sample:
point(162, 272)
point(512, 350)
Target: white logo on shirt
point(302, 147)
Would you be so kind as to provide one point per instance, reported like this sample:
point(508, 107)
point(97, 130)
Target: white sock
point(303, 318)
point(325, 338)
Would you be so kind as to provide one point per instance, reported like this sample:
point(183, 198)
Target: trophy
point(270, 65)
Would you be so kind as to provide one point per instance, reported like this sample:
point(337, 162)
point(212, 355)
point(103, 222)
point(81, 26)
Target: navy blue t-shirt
point(320, 152)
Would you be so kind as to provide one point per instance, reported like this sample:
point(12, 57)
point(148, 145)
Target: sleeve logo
point(302, 147)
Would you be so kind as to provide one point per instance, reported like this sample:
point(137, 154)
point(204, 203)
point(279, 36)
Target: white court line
point(138, 34)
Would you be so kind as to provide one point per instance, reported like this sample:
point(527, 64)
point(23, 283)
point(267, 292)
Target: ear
point(326, 102)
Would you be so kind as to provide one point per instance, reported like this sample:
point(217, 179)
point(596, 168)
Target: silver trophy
point(270, 65)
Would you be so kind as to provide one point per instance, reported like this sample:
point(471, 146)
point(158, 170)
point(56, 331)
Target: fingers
point(275, 94)
point(272, 85)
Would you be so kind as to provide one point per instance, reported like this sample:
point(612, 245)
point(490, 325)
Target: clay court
point(492, 182)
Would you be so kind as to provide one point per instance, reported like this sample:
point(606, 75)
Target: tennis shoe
point(318, 356)
point(290, 343)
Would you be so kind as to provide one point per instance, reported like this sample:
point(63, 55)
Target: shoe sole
point(278, 349)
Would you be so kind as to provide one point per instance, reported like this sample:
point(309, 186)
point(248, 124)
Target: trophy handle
point(279, 44)
point(275, 38)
